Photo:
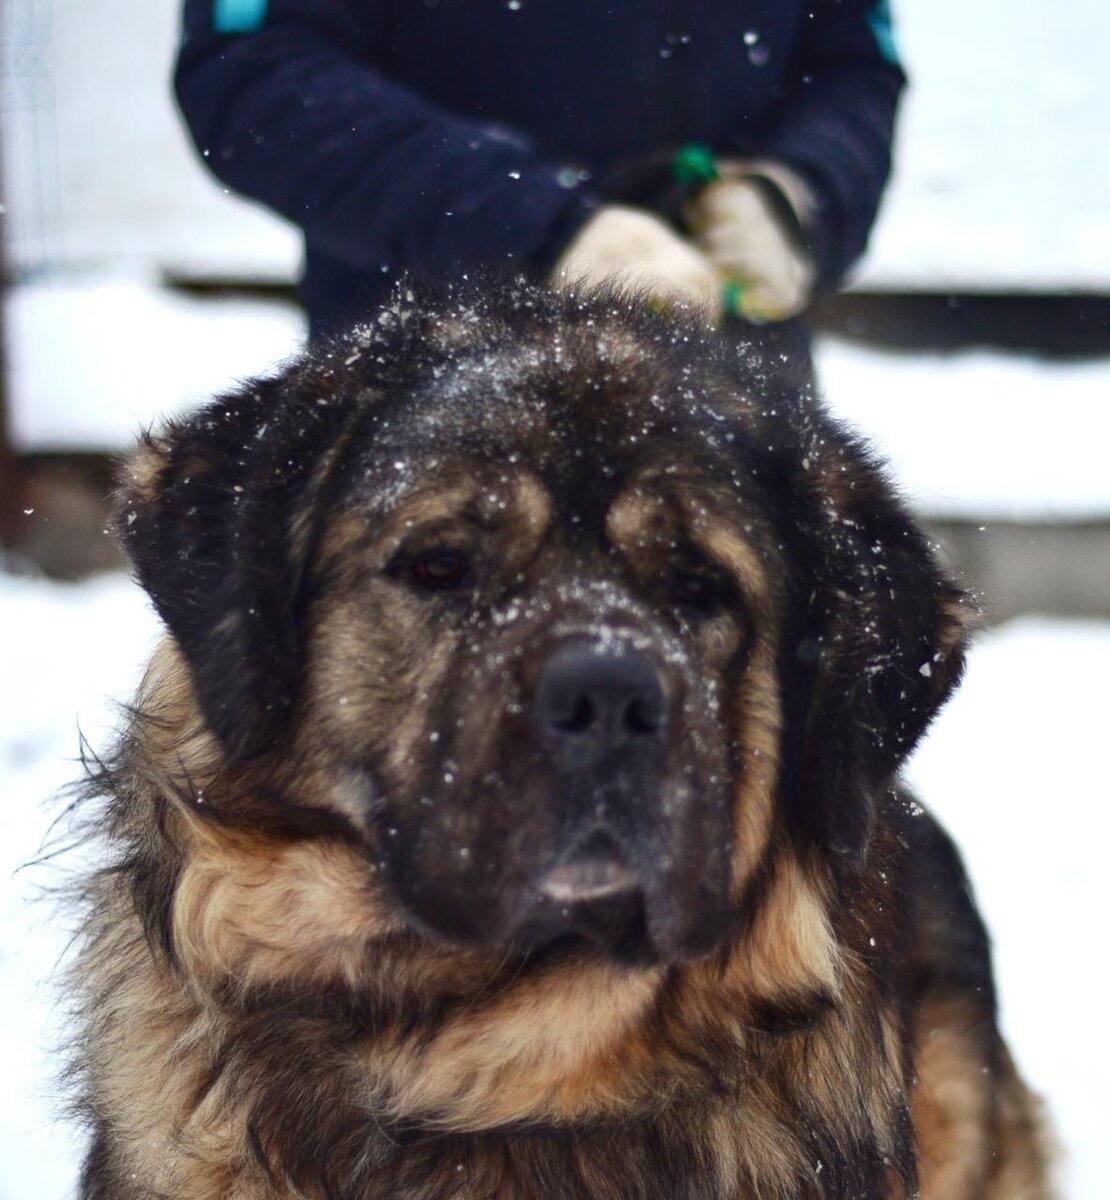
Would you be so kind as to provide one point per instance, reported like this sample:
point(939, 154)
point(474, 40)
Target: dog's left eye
point(440, 569)
point(698, 592)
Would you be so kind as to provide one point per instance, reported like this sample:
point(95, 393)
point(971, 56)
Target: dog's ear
point(878, 644)
point(214, 513)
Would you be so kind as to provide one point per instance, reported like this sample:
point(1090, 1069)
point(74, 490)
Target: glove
point(748, 227)
point(629, 248)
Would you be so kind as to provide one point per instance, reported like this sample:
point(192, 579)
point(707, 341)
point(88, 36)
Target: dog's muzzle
point(600, 715)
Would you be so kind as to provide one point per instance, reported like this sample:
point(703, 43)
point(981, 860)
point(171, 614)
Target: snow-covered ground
point(1014, 767)
point(979, 433)
point(65, 654)
point(1001, 181)
point(134, 353)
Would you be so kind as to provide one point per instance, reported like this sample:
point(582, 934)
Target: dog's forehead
point(585, 411)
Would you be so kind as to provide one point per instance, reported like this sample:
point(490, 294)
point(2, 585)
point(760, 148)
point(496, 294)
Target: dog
point(512, 807)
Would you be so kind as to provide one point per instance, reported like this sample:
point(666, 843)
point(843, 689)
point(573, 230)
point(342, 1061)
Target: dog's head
point(564, 614)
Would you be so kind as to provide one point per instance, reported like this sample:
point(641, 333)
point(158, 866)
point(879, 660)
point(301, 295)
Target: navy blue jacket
point(424, 135)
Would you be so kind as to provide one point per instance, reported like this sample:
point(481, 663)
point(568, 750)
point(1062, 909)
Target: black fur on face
point(217, 517)
point(371, 561)
point(876, 646)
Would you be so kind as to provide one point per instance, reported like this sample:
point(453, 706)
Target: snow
point(1014, 770)
point(96, 162)
point(980, 434)
point(1013, 767)
point(134, 353)
point(65, 653)
point(1001, 180)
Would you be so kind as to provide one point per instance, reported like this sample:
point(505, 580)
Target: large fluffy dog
point(511, 810)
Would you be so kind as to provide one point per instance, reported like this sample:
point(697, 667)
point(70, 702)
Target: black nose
point(591, 701)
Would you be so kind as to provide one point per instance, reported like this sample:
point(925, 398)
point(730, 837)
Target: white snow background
point(1002, 182)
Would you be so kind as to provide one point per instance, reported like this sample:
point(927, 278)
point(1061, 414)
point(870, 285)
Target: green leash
point(732, 299)
point(694, 166)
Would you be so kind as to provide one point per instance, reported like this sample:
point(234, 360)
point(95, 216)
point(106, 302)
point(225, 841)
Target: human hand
point(629, 248)
point(751, 243)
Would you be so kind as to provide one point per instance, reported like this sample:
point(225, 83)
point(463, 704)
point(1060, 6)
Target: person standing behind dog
point(728, 156)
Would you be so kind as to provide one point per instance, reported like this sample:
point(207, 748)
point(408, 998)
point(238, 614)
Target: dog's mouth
point(614, 927)
point(616, 883)
point(592, 895)
point(595, 870)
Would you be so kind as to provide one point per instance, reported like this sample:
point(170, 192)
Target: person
point(725, 156)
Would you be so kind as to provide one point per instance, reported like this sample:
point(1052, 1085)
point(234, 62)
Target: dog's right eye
point(440, 569)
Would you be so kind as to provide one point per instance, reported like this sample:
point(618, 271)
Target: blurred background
point(973, 347)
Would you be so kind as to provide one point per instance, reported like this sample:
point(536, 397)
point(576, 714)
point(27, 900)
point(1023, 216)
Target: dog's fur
point(328, 958)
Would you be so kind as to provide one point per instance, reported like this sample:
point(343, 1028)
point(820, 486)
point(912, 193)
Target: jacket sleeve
point(837, 125)
point(284, 109)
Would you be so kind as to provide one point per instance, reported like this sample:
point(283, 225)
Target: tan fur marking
point(148, 1068)
point(355, 697)
point(532, 507)
point(1025, 1148)
point(426, 507)
point(347, 531)
point(980, 1134)
point(554, 1048)
point(255, 911)
point(142, 469)
point(791, 948)
point(760, 717)
point(758, 734)
point(637, 518)
point(640, 518)
point(959, 620)
point(177, 753)
point(951, 1106)
point(738, 555)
